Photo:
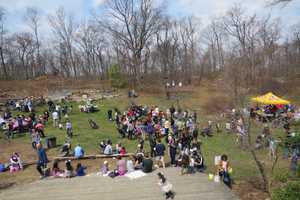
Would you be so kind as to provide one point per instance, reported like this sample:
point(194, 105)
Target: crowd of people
point(173, 133)
point(177, 128)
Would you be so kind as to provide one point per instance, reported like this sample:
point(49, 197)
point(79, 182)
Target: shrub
point(282, 177)
point(116, 78)
point(291, 191)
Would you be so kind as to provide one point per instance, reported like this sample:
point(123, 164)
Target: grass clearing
point(241, 161)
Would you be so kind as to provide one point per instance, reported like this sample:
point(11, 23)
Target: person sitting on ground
point(198, 161)
point(139, 153)
point(191, 167)
point(147, 164)
point(104, 168)
point(102, 146)
point(78, 152)
point(118, 148)
point(80, 170)
point(130, 165)
point(121, 166)
point(69, 169)
point(56, 171)
point(15, 163)
point(160, 153)
point(108, 148)
point(65, 150)
point(185, 162)
point(138, 162)
point(122, 150)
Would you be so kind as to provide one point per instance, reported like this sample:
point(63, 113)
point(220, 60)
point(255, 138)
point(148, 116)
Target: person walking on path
point(165, 186)
point(42, 159)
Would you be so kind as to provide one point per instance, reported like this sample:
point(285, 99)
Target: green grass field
point(241, 160)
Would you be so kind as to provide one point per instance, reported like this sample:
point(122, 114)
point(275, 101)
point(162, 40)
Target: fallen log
point(28, 163)
point(92, 157)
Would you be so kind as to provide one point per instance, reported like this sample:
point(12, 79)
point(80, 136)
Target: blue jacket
point(160, 149)
point(78, 152)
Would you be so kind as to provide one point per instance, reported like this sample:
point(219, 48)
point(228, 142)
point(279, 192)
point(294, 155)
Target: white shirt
point(129, 166)
point(55, 115)
point(2, 120)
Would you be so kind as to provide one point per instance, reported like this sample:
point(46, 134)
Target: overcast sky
point(204, 9)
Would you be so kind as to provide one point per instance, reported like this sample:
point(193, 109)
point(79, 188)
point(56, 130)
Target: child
point(15, 163)
point(80, 170)
point(224, 169)
point(122, 151)
point(69, 169)
point(121, 166)
point(104, 169)
point(118, 148)
point(166, 187)
point(56, 172)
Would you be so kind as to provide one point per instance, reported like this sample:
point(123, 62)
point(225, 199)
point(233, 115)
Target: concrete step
point(94, 187)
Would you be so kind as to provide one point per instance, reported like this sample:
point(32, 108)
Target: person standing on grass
point(42, 159)
point(55, 118)
point(69, 128)
point(172, 149)
point(160, 153)
point(152, 144)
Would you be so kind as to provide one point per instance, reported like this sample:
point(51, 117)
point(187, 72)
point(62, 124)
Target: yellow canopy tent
point(270, 98)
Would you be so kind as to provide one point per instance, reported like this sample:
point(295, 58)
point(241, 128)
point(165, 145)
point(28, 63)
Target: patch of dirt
point(250, 189)
point(42, 86)
point(30, 174)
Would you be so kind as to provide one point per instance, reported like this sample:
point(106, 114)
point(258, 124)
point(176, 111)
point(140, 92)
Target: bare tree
point(64, 29)
point(133, 23)
point(93, 45)
point(24, 44)
point(276, 2)
point(2, 41)
point(214, 36)
point(32, 18)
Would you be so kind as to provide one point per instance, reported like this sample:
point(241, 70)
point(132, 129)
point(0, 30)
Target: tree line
point(143, 40)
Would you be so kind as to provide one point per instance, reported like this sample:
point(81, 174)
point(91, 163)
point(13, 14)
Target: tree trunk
point(3, 64)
